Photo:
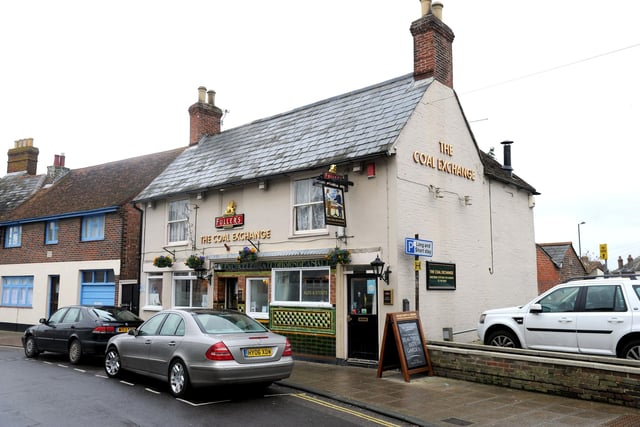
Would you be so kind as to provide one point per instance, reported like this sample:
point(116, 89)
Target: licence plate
point(121, 329)
point(258, 352)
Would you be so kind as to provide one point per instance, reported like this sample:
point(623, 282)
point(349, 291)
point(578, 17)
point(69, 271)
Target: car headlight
point(482, 317)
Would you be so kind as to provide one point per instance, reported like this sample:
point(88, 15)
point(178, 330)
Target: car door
point(68, 325)
point(45, 332)
point(134, 350)
point(164, 345)
point(555, 327)
point(604, 318)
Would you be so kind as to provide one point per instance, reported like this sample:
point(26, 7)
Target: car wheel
point(632, 350)
point(75, 352)
point(503, 338)
point(178, 379)
point(30, 349)
point(112, 363)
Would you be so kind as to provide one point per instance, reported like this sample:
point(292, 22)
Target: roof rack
point(630, 276)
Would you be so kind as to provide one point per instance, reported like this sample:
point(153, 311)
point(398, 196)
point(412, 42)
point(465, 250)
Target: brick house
point(74, 240)
point(557, 263)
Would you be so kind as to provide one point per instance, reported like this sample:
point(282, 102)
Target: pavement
point(438, 401)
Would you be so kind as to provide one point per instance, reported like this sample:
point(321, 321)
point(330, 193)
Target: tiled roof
point(95, 187)
point(17, 187)
point(356, 125)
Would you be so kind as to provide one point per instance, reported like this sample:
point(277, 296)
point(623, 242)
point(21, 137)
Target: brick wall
point(69, 247)
point(548, 273)
point(598, 379)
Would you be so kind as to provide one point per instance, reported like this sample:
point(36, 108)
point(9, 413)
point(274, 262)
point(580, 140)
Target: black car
point(78, 331)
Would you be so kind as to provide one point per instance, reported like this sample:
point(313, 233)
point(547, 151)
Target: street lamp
point(579, 242)
point(378, 266)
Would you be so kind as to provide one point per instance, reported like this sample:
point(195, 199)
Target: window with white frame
point(154, 289)
point(307, 286)
point(258, 298)
point(178, 221)
point(13, 236)
point(17, 291)
point(188, 291)
point(308, 206)
point(93, 227)
point(51, 233)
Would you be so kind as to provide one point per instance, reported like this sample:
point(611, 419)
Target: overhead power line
point(548, 70)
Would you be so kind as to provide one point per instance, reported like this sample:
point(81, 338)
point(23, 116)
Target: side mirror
point(43, 321)
point(133, 332)
point(535, 308)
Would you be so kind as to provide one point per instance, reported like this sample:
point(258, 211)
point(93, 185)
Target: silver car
point(192, 348)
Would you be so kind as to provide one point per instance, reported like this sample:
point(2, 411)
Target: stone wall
point(598, 379)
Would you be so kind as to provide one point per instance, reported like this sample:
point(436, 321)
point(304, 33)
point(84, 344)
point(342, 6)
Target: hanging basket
point(195, 262)
point(338, 256)
point(163, 261)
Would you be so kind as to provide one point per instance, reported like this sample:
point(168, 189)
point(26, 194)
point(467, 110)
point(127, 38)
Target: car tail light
point(219, 351)
point(287, 348)
point(104, 330)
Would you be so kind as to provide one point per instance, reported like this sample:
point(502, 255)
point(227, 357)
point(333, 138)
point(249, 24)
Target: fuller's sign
point(230, 221)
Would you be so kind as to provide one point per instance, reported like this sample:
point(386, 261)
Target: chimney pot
point(426, 7)
point(437, 10)
point(630, 260)
point(201, 94)
point(620, 262)
point(211, 96)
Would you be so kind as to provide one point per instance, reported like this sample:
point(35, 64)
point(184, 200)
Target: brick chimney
point(58, 170)
point(432, 39)
point(23, 157)
point(205, 117)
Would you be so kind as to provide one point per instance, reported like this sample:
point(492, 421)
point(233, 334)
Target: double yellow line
point(345, 410)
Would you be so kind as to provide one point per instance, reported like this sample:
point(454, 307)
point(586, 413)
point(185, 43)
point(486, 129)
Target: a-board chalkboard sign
point(403, 345)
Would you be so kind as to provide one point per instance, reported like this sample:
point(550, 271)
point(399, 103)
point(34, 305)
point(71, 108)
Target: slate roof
point(17, 187)
point(493, 169)
point(351, 127)
point(555, 251)
point(93, 188)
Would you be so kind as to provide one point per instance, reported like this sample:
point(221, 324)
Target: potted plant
point(195, 261)
point(163, 261)
point(247, 254)
point(338, 256)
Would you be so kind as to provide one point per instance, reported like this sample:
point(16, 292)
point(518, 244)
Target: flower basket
point(338, 256)
point(247, 254)
point(195, 261)
point(163, 261)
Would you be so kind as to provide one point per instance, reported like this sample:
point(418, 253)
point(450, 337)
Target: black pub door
point(131, 297)
point(362, 317)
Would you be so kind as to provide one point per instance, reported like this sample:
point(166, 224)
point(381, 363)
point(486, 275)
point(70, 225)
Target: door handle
point(615, 320)
point(147, 342)
point(172, 344)
point(565, 320)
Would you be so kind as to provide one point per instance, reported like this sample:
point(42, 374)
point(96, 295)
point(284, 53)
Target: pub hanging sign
point(333, 188)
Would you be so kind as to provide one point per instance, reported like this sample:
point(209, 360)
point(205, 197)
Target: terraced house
point(290, 218)
point(70, 236)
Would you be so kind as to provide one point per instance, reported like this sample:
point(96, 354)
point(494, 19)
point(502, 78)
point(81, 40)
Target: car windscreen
point(227, 323)
point(115, 315)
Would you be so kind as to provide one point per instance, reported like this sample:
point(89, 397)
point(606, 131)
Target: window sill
point(152, 308)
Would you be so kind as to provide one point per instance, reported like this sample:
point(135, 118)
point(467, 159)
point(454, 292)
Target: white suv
point(593, 316)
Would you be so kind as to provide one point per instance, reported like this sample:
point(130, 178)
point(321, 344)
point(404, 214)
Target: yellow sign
point(417, 265)
point(603, 251)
